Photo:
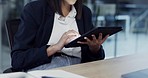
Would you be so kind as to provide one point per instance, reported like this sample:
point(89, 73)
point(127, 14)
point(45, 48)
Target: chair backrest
point(11, 29)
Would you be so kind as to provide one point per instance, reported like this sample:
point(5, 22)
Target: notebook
point(41, 74)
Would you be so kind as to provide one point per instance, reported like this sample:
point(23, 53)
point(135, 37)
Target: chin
point(72, 2)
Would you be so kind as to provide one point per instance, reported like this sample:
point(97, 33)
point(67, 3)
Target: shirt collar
point(72, 13)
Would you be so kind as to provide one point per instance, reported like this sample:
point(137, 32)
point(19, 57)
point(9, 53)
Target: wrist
point(94, 49)
point(52, 49)
point(58, 47)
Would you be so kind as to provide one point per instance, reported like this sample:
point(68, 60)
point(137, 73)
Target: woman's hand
point(66, 38)
point(95, 43)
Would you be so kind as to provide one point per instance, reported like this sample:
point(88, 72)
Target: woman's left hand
point(95, 43)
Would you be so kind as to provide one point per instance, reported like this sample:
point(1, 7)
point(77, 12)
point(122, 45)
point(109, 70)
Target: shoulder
point(86, 10)
point(35, 10)
point(36, 5)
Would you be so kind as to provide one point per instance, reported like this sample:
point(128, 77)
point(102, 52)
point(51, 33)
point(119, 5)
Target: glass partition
point(131, 15)
point(9, 9)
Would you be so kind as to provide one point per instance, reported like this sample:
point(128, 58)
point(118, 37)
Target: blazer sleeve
point(24, 55)
point(87, 55)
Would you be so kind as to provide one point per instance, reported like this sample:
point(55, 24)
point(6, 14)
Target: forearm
point(26, 59)
point(98, 53)
point(52, 49)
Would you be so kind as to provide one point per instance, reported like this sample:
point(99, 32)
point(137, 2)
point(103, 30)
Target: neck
point(65, 8)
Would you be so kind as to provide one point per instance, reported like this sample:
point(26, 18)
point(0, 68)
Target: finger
point(71, 36)
point(100, 36)
point(73, 32)
point(105, 38)
point(69, 31)
point(88, 40)
point(65, 32)
point(82, 42)
point(94, 37)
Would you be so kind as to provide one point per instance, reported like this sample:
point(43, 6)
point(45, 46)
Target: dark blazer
point(29, 48)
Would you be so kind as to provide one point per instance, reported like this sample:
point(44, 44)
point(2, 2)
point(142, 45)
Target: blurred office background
point(129, 14)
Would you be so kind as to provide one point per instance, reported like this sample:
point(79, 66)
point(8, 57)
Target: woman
point(46, 26)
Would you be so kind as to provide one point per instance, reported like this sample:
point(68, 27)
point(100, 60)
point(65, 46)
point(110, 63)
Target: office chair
point(11, 28)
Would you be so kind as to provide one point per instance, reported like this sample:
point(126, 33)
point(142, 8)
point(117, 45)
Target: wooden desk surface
point(110, 68)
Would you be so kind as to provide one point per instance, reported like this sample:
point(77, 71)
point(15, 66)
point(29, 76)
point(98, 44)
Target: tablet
point(104, 30)
point(137, 74)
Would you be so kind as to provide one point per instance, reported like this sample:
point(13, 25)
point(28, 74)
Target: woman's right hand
point(66, 38)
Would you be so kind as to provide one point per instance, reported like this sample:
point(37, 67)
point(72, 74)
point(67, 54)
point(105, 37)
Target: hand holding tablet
point(104, 30)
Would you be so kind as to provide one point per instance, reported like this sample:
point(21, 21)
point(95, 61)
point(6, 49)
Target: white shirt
point(62, 25)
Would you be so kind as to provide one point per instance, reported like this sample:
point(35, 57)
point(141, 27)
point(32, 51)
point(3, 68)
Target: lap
point(58, 61)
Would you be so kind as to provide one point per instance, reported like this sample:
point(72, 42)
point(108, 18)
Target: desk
point(110, 68)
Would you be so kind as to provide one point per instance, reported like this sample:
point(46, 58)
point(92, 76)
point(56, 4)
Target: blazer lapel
point(80, 26)
point(47, 26)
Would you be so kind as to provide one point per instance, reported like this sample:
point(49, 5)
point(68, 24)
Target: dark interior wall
point(130, 1)
point(139, 1)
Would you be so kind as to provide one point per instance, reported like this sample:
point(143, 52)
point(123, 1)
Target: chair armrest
point(9, 70)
